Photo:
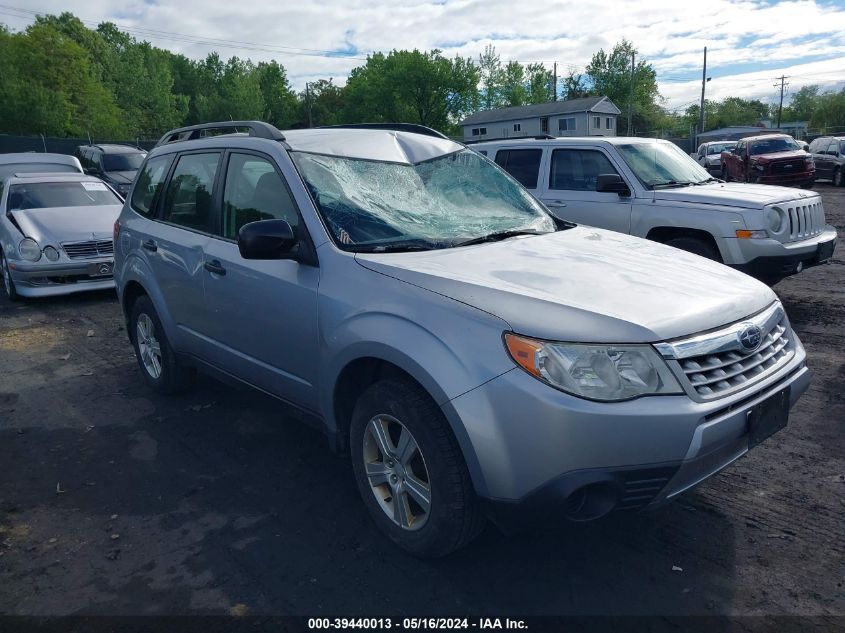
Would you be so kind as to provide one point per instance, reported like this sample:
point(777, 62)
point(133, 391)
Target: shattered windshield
point(371, 205)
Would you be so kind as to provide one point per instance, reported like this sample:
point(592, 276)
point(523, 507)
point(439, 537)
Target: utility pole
point(780, 106)
point(701, 107)
point(308, 100)
point(631, 100)
point(554, 85)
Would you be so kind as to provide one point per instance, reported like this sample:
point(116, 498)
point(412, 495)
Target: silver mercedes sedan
point(56, 234)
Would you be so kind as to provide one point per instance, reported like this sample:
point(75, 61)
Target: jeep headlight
point(776, 219)
point(598, 372)
point(29, 249)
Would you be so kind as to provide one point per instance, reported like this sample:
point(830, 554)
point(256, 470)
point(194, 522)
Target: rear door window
point(188, 198)
point(522, 164)
point(147, 190)
point(254, 191)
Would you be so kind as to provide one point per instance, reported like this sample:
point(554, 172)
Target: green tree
point(539, 80)
point(411, 86)
point(803, 104)
point(492, 78)
point(610, 75)
point(574, 86)
point(322, 103)
point(280, 102)
point(513, 90)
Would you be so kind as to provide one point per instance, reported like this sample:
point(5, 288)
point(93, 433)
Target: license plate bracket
point(101, 269)
point(768, 417)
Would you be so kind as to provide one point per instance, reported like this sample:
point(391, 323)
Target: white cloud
point(787, 37)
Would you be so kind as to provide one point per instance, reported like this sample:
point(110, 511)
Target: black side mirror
point(612, 183)
point(266, 239)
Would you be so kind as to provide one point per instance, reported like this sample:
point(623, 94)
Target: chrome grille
point(84, 250)
point(714, 365)
point(805, 220)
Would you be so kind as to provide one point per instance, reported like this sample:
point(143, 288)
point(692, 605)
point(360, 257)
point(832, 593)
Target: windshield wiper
point(670, 183)
point(398, 246)
point(499, 236)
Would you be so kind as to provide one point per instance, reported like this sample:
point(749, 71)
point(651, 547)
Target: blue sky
point(750, 42)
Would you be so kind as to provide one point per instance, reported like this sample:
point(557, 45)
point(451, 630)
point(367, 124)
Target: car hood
point(121, 177)
point(732, 194)
point(768, 158)
point(67, 224)
point(584, 284)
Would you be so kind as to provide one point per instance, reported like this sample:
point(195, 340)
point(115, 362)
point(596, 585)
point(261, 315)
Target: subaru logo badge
point(750, 337)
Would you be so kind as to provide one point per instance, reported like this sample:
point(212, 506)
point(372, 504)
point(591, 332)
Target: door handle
point(150, 245)
point(214, 266)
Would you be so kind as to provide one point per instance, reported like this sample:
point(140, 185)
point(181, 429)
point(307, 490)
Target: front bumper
point(47, 279)
point(773, 260)
point(540, 452)
point(800, 178)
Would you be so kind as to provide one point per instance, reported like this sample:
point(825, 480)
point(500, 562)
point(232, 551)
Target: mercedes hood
point(733, 194)
point(584, 285)
point(67, 224)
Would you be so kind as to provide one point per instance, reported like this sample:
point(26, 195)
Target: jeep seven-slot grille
point(714, 375)
point(805, 220)
point(84, 250)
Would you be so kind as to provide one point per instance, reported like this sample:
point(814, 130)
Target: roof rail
point(416, 128)
point(259, 129)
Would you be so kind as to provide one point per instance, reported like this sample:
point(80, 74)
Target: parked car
point(55, 233)
point(829, 156)
point(113, 163)
point(34, 162)
point(709, 155)
point(474, 356)
point(652, 189)
point(775, 159)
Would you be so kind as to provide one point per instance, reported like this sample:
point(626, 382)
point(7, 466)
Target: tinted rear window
point(123, 162)
point(522, 164)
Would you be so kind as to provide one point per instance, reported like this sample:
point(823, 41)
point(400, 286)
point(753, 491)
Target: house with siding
point(590, 116)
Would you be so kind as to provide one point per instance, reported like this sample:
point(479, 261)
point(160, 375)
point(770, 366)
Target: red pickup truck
point(774, 159)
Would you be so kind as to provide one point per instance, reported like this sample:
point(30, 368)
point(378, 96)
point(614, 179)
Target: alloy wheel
point(149, 347)
point(397, 472)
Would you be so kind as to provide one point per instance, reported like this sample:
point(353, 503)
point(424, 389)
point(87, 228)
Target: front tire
point(8, 282)
point(837, 177)
point(410, 471)
point(158, 363)
point(696, 246)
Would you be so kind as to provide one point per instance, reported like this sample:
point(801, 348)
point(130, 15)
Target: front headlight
point(776, 219)
point(51, 253)
point(29, 249)
point(597, 372)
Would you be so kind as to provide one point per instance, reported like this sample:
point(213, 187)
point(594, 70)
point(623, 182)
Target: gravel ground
point(116, 501)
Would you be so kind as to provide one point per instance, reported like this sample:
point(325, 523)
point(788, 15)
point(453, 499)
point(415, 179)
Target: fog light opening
point(592, 501)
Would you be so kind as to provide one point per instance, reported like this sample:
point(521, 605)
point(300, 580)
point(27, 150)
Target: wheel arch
point(663, 234)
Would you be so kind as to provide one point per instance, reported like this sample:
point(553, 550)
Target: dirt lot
point(117, 501)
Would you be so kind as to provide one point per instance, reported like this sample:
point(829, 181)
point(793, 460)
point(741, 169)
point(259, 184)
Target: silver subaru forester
point(477, 358)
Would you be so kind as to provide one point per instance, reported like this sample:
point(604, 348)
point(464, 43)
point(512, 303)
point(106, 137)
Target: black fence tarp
point(10, 144)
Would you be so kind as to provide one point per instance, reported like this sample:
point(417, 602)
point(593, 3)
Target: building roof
point(541, 109)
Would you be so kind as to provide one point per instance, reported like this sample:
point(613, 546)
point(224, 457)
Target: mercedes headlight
point(597, 372)
point(29, 249)
point(51, 253)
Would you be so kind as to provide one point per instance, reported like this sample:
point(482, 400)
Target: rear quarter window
point(522, 164)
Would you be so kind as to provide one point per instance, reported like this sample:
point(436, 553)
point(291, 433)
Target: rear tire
point(8, 282)
point(421, 497)
point(159, 365)
point(726, 175)
point(696, 246)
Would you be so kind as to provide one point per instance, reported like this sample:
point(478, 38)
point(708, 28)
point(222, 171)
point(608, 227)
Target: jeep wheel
point(837, 177)
point(410, 471)
point(159, 365)
point(697, 246)
point(8, 282)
